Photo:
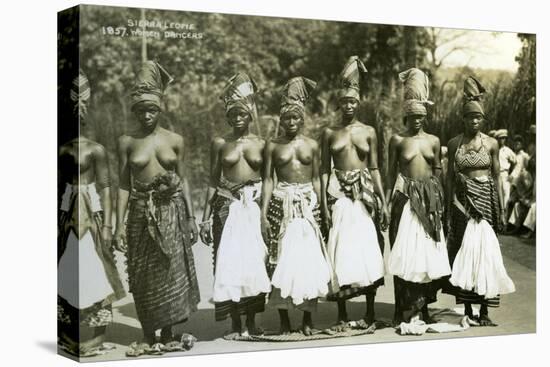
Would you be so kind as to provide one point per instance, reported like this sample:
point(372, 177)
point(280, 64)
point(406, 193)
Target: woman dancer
point(418, 259)
point(160, 229)
point(88, 281)
point(240, 276)
point(353, 200)
point(476, 203)
point(290, 213)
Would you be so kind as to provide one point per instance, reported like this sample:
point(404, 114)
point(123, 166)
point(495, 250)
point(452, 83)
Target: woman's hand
point(119, 240)
point(385, 218)
point(206, 233)
point(106, 234)
point(327, 220)
point(193, 231)
point(266, 229)
point(503, 218)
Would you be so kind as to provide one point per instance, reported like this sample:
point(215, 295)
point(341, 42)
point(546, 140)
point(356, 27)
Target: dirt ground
point(517, 313)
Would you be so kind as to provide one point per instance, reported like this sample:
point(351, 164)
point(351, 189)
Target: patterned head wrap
point(473, 93)
point(151, 81)
point(295, 94)
point(80, 93)
point(351, 78)
point(417, 91)
point(239, 93)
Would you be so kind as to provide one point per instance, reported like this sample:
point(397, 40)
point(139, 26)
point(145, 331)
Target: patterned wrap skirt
point(298, 264)
point(355, 241)
point(88, 280)
point(479, 198)
point(161, 268)
point(227, 194)
point(418, 258)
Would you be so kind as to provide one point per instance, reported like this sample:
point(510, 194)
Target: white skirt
point(81, 278)
point(478, 264)
point(240, 261)
point(302, 272)
point(415, 256)
point(353, 245)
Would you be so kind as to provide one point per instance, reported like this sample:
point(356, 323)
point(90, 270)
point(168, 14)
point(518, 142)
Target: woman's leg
point(468, 310)
point(149, 336)
point(285, 322)
point(236, 324)
point(484, 319)
point(342, 312)
point(369, 312)
point(251, 324)
point(398, 317)
point(307, 323)
point(166, 334)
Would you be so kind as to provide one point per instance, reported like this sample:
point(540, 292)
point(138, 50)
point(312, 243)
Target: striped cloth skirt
point(480, 199)
point(161, 268)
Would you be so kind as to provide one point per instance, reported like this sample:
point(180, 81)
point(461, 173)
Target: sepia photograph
point(232, 183)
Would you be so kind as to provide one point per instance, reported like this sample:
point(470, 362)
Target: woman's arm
point(376, 178)
point(392, 166)
point(495, 172)
point(267, 188)
point(315, 179)
point(180, 170)
point(103, 184)
point(123, 192)
point(325, 175)
point(215, 174)
point(437, 158)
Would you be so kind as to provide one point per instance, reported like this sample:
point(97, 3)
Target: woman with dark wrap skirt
point(477, 211)
point(160, 228)
point(240, 276)
point(418, 259)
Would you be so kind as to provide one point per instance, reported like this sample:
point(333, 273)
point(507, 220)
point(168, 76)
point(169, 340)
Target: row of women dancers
point(291, 218)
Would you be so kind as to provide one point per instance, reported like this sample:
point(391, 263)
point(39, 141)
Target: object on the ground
point(102, 349)
point(418, 327)
point(187, 341)
point(352, 328)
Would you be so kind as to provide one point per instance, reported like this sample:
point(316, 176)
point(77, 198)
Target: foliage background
point(272, 50)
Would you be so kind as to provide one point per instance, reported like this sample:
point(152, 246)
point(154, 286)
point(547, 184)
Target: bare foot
point(233, 335)
point(484, 320)
point(340, 326)
point(397, 319)
point(255, 331)
point(307, 330)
